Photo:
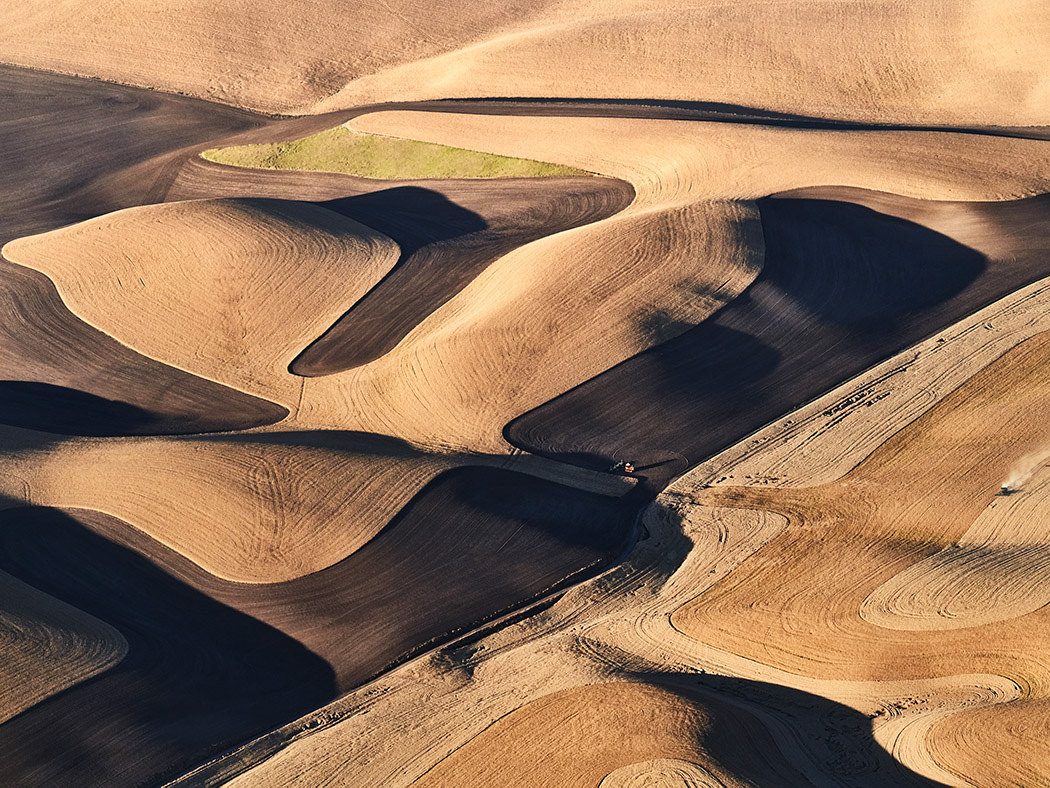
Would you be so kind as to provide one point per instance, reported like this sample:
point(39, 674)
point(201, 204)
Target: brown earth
point(679, 324)
point(579, 737)
point(60, 138)
point(928, 61)
point(777, 563)
point(916, 496)
point(448, 231)
point(447, 238)
point(259, 654)
point(185, 649)
point(850, 277)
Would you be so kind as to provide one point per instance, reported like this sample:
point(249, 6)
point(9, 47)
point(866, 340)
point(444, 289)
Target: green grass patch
point(378, 156)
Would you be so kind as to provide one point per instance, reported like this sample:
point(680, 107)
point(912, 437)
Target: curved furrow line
point(61, 375)
point(920, 695)
point(229, 289)
point(879, 528)
point(258, 655)
point(843, 286)
point(994, 571)
point(48, 645)
point(185, 653)
point(583, 736)
point(446, 245)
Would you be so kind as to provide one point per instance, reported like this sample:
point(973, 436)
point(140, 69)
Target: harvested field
point(184, 651)
point(259, 55)
point(928, 61)
point(48, 645)
point(254, 507)
point(906, 522)
point(937, 478)
point(644, 394)
point(444, 246)
point(54, 378)
point(448, 232)
point(855, 672)
point(843, 286)
point(259, 654)
point(229, 290)
point(592, 734)
point(63, 376)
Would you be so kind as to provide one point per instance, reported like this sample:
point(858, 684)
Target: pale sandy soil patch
point(929, 62)
point(671, 161)
point(584, 736)
point(257, 507)
point(592, 290)
point(257, 54)
point(918, 493)
point(539, 320)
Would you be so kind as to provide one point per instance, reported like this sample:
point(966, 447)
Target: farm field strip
point(375, 355)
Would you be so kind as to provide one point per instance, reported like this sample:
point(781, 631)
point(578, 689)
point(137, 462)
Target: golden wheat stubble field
point(310, 476)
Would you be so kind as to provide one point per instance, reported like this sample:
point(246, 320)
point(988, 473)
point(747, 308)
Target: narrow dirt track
point(843, 287)
point(212, 662)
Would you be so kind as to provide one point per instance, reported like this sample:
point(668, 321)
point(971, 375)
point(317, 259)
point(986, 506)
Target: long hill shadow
point(843, 288)
point(60, 374)
point(66, 411)
point(444, 247)
point(707, 111)
point(182, 404)
point(72, 148)
point(835, 736)
point(413, 216)
point(213, 662)
point(474, 543)
point(198, 676)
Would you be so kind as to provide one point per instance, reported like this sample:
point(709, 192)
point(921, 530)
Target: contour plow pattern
point(721, 461)
point(849, 596)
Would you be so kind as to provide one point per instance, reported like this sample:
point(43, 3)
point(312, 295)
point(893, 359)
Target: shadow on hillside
point(618, 414)
point(412, 215)
point(206, 671)
point(708, 111)
point(894, 267)
point(66, 411)
point(198, 676)
point(842, 288)
point(444, 247)
point(184, 405)
point(423, 278)
point(358, 442)
point(838, 738)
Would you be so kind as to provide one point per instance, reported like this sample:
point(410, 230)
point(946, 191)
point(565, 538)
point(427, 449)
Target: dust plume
point(1024, 469)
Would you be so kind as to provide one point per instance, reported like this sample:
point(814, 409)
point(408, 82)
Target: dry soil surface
point(270, 441)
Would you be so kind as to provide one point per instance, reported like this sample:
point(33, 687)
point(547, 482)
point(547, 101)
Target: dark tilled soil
point(212, 662)
point(843, 287)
